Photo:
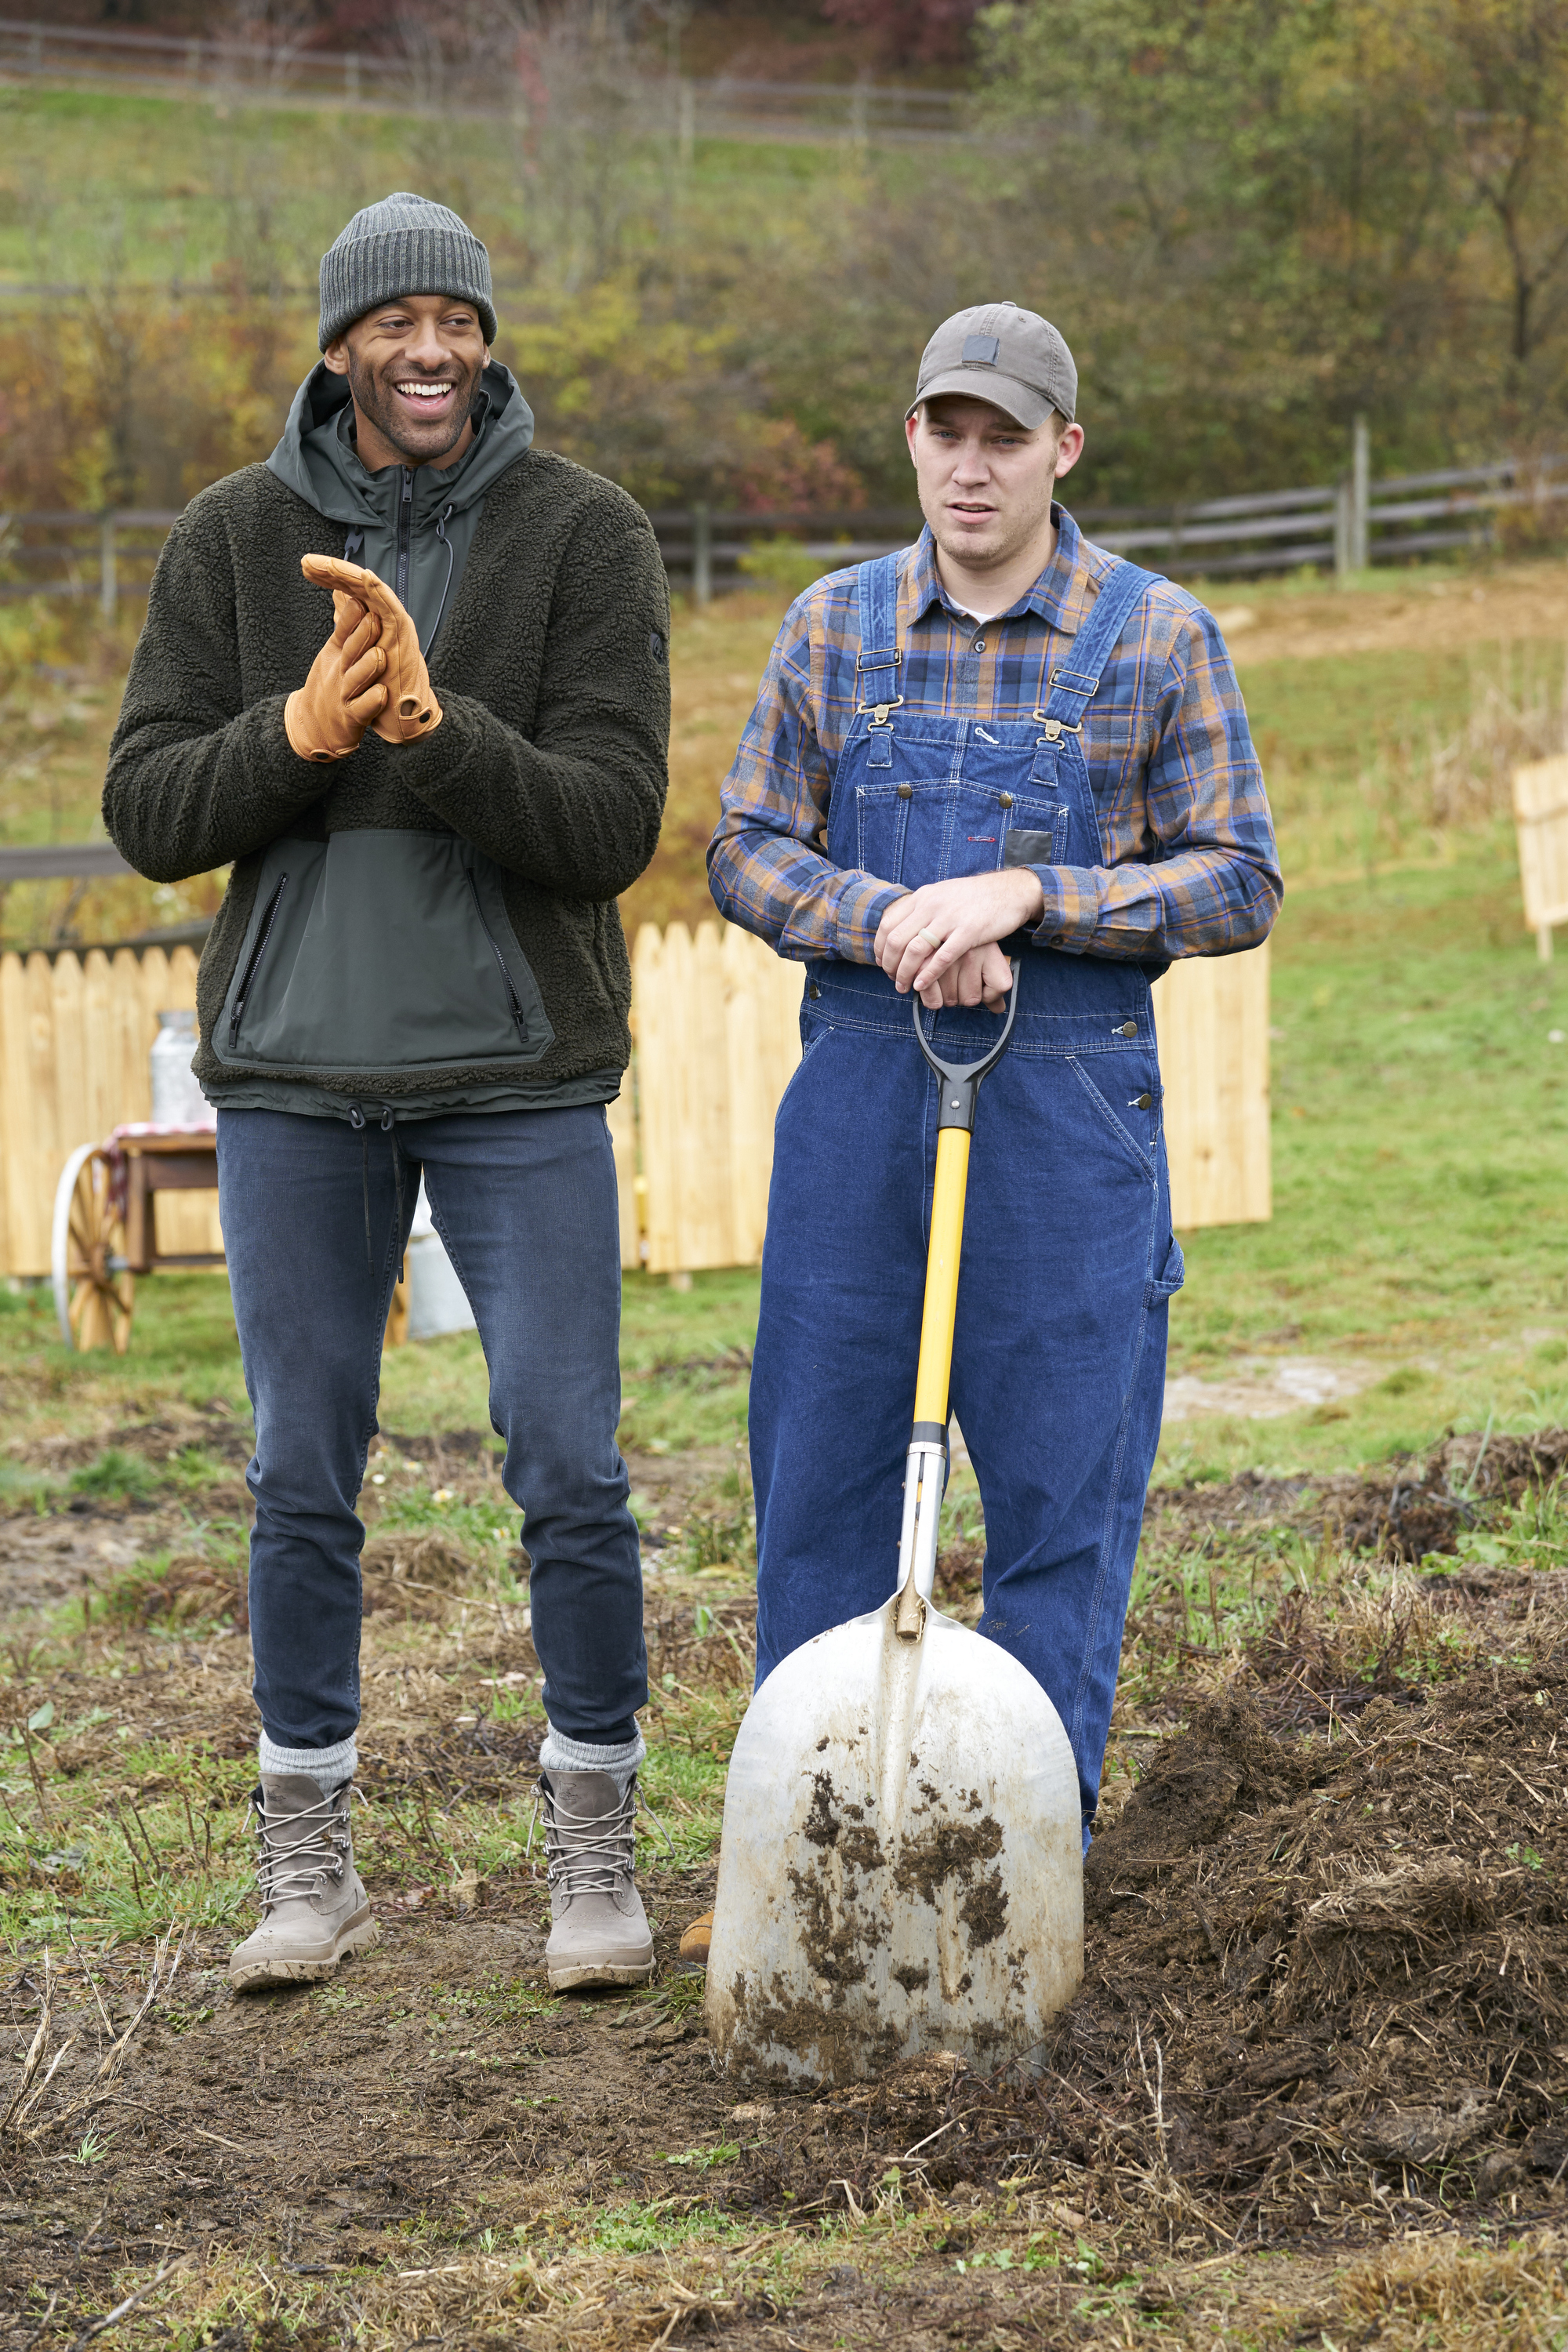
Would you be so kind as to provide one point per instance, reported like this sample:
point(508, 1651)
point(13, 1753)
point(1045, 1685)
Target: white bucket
point(438, 1303)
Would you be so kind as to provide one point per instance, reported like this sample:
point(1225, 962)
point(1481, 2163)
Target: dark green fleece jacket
point(432, 923)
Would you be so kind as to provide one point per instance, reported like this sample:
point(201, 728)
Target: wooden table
point(105, 1226)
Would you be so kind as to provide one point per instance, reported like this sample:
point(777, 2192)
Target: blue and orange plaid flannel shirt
point(1190, 863)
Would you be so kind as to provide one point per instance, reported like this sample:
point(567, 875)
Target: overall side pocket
point(1144, 1161)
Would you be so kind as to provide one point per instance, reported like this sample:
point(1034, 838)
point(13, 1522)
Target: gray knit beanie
point(404, 245)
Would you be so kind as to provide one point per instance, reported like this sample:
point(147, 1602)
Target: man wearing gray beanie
point(417, 970)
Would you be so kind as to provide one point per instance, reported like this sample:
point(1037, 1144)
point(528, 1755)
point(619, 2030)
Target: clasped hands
point(370, 673)
point(941, 941)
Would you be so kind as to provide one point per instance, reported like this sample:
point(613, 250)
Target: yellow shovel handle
point(941, 1275)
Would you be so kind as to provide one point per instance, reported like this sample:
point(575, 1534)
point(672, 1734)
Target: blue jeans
point(525, 1202)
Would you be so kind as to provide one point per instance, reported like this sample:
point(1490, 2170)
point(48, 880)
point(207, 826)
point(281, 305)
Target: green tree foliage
point(1276, 213)
point(1253, 219)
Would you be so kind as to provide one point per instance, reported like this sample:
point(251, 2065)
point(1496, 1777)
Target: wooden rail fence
point(1341, 527)
point(714, 1020)
point(413, 77)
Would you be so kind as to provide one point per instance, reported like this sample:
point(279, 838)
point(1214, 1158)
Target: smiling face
point(414, 368)
point(985, 481)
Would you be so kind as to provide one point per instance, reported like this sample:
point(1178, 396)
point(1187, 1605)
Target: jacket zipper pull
point(404, 533)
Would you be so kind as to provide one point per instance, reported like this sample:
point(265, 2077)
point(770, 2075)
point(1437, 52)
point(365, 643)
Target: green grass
point(658, 2228)
point(168, 191)
point(184, 1350)
point(1420, 1218)
point(1335, 736)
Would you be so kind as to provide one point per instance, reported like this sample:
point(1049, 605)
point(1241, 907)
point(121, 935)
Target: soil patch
point(1400, 1510)
point(1439, 615)
point(1324, 1994)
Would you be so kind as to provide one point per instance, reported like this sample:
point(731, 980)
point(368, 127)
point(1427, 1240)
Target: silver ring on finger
point(923, 934)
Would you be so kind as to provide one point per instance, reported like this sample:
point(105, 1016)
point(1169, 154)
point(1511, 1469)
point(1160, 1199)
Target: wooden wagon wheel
point(94, 1293)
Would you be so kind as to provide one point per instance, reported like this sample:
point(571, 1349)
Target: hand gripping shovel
point(901, 1868)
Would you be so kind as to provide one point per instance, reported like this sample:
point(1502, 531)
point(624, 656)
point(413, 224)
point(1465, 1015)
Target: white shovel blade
point(902, 1858)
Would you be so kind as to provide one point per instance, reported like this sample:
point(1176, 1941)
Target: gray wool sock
point(559, 1754)
point(327, 1767)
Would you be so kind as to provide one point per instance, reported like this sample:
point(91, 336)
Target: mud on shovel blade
point(901, 1868)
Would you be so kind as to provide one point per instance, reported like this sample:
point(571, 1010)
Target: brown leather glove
point(411, 710)
point(326, 717)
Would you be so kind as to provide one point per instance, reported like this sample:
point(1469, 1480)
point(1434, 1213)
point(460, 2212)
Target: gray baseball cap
point(1013, 358)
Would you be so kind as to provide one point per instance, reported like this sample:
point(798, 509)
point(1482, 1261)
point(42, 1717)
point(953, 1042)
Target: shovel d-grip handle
point(925, 1476)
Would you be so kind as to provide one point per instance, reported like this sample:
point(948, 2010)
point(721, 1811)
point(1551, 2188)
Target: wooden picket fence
point(715, 1024)
point(1541, 824)
point(714, 1021)
point(75, 1037)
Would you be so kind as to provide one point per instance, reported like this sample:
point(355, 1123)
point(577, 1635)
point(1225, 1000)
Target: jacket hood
point(317, 458)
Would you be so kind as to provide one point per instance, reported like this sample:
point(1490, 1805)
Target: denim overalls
point(1068, 1257)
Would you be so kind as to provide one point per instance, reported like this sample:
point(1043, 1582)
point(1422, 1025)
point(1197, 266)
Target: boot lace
point(589, 1853)
point(304, 1852)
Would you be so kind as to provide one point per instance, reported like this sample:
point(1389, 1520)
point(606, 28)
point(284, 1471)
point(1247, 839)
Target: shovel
point(902, 1860)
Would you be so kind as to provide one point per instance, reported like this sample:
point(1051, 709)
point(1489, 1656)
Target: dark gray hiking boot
point(314, 1907)
point(600, 1935)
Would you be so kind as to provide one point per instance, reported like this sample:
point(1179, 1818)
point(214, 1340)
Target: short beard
point(367, 400)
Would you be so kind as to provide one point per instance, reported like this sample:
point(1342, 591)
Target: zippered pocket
point(513, 999)
point(381, 954)
point(254, 964)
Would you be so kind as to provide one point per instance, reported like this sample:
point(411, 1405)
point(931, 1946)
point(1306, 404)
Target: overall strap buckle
point(1075, 686)
point(1074, 690)
point(878, 662)
point(878, 705)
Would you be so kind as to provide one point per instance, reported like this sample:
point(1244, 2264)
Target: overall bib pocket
point(380, 950)
point(929, 830)
point(1022, 846)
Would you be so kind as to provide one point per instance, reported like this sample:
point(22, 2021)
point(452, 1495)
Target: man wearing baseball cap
point(411, 677)
point(1001, 742)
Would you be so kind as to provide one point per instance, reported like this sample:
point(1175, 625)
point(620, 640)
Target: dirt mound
point(419, 1576)
point(1421, 1507)
point(1330, 1653)
point(1345, 1958)
point(1326, 1990)
point(187, 1590)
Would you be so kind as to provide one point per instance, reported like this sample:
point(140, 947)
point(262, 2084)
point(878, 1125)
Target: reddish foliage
point(786, 471)
point(913, 32)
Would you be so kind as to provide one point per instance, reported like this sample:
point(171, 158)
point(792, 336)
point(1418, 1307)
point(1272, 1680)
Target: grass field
point(101, 187)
